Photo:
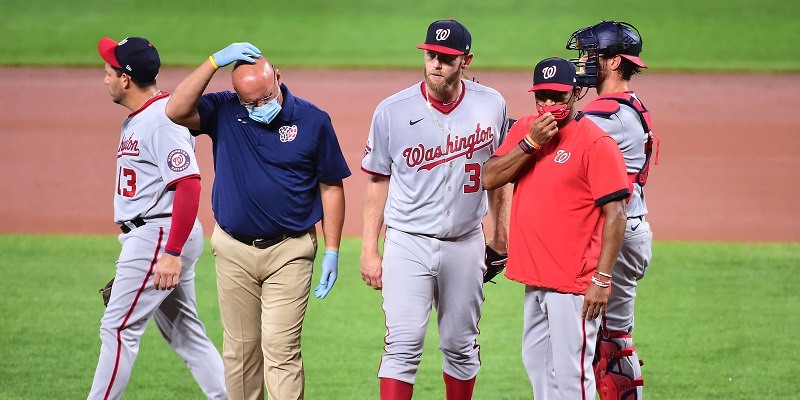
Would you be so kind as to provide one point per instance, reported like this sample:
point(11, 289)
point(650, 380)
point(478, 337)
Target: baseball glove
point(106, 292)
point(495, 264)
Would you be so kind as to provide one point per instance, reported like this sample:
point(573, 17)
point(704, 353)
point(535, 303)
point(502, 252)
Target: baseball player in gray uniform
point(426, 147)
point(156, 198)
point(609, 57)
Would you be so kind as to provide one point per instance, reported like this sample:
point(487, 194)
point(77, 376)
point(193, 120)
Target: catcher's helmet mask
point(608, 38)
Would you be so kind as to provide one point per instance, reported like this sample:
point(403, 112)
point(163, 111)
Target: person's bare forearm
point(498, 171)
point(374, 204)
point(333, 210)
point(611, 239)
point(371, 263)
point(182, 105)
point(500, 212)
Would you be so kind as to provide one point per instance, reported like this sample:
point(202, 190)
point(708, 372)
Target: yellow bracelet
point(213, 62)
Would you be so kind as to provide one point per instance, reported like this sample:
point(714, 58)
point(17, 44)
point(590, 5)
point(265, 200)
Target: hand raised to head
point(236, 52)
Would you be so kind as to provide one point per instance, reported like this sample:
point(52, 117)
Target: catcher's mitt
point(106, 292)
point(495, 264)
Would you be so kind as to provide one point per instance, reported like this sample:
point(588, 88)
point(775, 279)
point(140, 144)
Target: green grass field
point(713, 321)
point(710, 35)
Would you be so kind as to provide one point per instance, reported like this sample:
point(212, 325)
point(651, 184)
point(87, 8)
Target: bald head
point(254, 81)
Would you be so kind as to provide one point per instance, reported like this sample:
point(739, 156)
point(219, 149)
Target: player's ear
point(616, 62)
point(576, 93)
point(126, 81)
point(466, 61)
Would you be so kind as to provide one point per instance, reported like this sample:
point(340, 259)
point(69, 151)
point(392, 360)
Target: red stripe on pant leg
point(130, 311)
point(583, 355)
point(377, 373)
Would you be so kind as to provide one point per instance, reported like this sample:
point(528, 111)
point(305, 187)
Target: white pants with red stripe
point(558, 345)
point(420, 273)
point(134, 300)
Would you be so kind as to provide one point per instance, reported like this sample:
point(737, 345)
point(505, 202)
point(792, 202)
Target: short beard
point(441, 86)
point(117, 99)
point(601, 77)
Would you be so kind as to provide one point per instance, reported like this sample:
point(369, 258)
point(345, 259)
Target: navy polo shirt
point(267, 175)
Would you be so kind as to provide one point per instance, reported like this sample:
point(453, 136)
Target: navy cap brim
point(106, 49)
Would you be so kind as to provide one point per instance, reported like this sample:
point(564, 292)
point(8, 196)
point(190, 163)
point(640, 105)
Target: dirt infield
point(729, 168)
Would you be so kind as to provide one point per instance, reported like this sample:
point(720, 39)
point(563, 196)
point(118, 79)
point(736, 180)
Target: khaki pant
point(263, 294)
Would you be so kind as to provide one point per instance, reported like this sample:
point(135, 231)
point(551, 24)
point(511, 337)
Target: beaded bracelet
point(600, 283)
point(603, 274)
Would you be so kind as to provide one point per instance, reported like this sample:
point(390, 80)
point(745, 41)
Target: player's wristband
point(530, 141)
point(213, 62)
point(603, 274)
point(600, 283)
point(528, 147)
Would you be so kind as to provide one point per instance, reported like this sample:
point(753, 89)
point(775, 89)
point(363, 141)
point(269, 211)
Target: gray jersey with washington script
point(435, 160)
point(625, 128)
point(154, 153)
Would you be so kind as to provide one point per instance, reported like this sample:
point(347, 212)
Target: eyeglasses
point(260, 102)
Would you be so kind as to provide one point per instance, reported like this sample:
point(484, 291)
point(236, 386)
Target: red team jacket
point(556, 219)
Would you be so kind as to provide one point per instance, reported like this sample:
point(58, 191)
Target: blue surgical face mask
point(266, 113)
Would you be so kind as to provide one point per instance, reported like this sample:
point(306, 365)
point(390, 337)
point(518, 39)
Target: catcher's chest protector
point(609, 104)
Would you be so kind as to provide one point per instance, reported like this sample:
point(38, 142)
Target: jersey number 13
point(126, 182)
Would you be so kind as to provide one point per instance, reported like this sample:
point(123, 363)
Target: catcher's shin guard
point(616, 367)
point(614, 386)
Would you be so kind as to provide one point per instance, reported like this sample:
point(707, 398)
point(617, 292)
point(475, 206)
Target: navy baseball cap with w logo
point(554, 74)
point(447, 36)
point(136, 55)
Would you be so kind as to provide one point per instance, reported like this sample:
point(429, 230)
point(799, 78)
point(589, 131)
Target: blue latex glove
point(330, 270)
point(235, 52)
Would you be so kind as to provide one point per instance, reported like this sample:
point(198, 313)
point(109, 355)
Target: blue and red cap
point(447, 36)
point(554, 74)
point(136, 55)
